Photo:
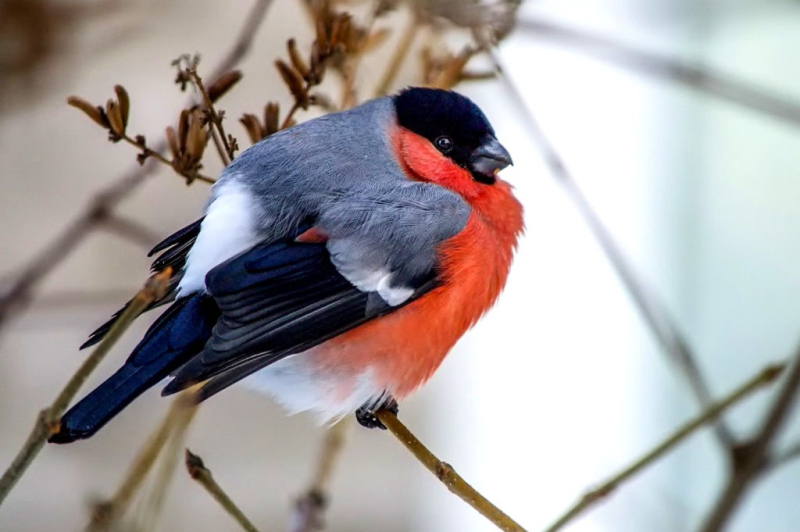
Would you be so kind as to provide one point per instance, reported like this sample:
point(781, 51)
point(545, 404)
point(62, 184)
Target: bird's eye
point(445, 144)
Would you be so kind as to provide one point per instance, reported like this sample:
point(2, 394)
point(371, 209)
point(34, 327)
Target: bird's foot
point(366, 416)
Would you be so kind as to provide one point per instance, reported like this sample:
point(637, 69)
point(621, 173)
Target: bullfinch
point(337, 263)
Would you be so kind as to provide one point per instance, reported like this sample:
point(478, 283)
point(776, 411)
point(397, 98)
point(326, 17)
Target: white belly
point(295, 384)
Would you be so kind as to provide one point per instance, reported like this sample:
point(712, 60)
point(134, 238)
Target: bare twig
point(130, 230)
point(763, 378)
point(698, 77)
point(752, 457)
point(216, 120)
point(199, 472)
point(651, 308)
point(311, 505)
point(18, 294)
point(47, 421)
point(107, 513)
point(446, 474)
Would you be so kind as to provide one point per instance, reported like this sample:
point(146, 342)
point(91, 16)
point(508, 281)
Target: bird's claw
point(367, 417)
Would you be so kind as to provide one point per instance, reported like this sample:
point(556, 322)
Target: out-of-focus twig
point(199, 472)
point(403, 46)
point(446, 474)
point(309, 508)
point(17, 295)
point(698, 77)
point(650, 306)
point(130, 230)
point(752, 457)
point(47, 421)
point(107, 513)
point(763, 378)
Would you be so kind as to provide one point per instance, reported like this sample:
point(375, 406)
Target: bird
point(337, 263)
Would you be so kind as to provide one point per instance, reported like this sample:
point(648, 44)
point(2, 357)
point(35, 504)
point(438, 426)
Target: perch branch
point(763, 378)
point(199, 472)
point(651, 308)
point(446, 474)
point(18, 294)
point(752, 457)
point(47, 421)
point(695, 76)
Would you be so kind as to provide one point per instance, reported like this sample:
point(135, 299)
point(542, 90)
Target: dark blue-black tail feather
point(178, 334)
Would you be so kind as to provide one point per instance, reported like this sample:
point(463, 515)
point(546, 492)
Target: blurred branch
point(652, 309)
point(199, 472)
point(763, 378)
point(130, 230)
point(446, 474)
point(695, 76)
point(784, 457)
point(47, 421)
point(399, 54)
point(107, 513)
point(752, 457)
point(16, 297)
point(310, 507)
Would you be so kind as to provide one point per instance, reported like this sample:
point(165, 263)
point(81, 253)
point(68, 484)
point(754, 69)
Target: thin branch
point(199, 472)
point(150, 153)
point(652, 309)
point(107, 513)
point(17, 296)
point(216, 120)
point(763, 378)
point(310, 507)
point(787, 455)
point(130, 230)
point(47, 421)
point(399, 55)
point(446, 474)
point(753, 456)
point(696, 76)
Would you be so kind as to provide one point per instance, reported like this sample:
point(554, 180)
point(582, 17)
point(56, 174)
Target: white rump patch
point(227, 230)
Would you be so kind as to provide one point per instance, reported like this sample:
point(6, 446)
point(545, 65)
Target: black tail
point(177, 335)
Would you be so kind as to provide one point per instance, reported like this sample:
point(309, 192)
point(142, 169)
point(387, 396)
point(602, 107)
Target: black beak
point(488, 159)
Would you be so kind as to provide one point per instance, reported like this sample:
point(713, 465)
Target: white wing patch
point(227, 230)
point(346, 258)
point(394, 295)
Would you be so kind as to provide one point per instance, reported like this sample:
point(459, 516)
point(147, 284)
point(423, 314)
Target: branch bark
point(763, 378)
point(752, 457)
point(47, 421)
point(696, 76)
point(446, 474)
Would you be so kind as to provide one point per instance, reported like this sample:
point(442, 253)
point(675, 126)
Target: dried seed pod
point(172, 140)
point(271, 118)
point(183, 130)
point(124, 103)
point(294, 81)
point(114, 115)
point(223, 84)
point(253, 128)
point(340, 30)
point(196, 139)
point(373, 40)
point(93, 112)
point(322, 37)
point(297, 60)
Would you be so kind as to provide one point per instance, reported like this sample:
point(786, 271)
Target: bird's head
point(444, 138)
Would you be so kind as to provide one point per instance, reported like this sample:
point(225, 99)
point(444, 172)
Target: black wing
point(175, 249)
point(278, 299)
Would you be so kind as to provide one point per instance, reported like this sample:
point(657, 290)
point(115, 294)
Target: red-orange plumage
point(405, 347)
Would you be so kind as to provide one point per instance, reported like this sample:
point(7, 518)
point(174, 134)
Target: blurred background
point(561, 385)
